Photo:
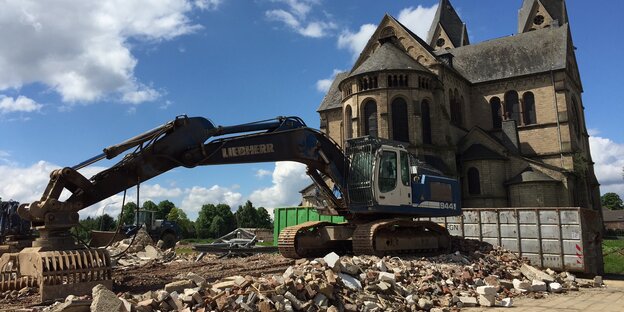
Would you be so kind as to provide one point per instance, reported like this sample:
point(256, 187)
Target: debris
point(537, 285)
point(532, 273)
point(521, 286)
point(507, 303)
point(555, 287)
point(179, 286)
point(105, 300)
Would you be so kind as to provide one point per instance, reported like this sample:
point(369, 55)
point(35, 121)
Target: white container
point(560, 238)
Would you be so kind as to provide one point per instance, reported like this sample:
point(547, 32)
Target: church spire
point(447, 30)
point(537, 14)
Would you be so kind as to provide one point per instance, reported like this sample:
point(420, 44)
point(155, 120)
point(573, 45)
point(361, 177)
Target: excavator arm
point(187, 142)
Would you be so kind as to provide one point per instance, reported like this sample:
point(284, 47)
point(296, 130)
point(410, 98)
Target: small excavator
point(377, 185)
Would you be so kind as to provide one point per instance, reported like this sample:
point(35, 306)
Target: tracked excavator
point(375, 184)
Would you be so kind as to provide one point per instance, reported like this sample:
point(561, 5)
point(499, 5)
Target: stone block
point(487, 300)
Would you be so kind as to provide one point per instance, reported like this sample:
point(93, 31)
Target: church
point(505, 116)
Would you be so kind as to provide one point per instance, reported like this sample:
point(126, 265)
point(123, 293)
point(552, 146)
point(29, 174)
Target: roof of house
point(480, 152)
point(530, 175)
point(556, 9)
point(450, 21)
point(609, 215)
point(333, 97)
point(387, 57)
point(532, 52)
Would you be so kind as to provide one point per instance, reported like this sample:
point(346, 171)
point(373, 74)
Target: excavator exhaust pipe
point(57, 274)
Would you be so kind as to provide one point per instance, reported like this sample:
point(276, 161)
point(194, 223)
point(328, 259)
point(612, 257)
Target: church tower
point(447, 31)
point(538, 14)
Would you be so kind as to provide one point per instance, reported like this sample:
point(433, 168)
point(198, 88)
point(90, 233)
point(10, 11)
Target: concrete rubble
point(139, 251)
point(356, 283)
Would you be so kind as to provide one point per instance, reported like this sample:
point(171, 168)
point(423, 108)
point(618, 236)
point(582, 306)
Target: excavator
point(377, 185)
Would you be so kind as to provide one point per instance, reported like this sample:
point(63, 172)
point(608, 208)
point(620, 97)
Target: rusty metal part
point(302, 240)
point(56, 273)
point(400, 236)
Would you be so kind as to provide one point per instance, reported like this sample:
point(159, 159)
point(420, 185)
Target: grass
point(613, 260)
point(197, 241)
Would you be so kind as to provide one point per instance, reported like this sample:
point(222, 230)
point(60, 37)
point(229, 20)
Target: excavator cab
point(385, 178)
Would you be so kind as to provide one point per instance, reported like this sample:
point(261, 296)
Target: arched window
point(400, 130)
point(474, 182)
point(495, 105)
point(528, 113)
point(512, 106)
point(348, 124)
point(456, 116)
point(370, 118)
point(426, 122)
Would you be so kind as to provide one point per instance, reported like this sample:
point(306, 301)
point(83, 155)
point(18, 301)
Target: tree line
point(213, 221)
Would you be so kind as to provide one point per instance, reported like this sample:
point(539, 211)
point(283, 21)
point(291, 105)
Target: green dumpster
point(289, 216)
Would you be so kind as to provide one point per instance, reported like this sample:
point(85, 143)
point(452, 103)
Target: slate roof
point(556, 9)
point(333, 97)
point(530, 175)
point(522, 54)
point(480, 152)
point(609, 215)
point(450, 21)
point(387, 57)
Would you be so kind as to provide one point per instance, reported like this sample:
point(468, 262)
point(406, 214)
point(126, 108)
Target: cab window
point(387, 171)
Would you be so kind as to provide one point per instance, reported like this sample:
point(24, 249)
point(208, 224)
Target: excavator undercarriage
point(381, 237)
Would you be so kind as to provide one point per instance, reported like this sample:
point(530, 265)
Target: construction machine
point(15, 233)
point(375, 184)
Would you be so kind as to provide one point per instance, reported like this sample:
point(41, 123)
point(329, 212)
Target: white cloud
point(323, 85)
point(81, 49)
point(158, 192)
point(209, 5)
point(198, 196)
point(288, 179)
point(296, 18)
point(261, 173)
point(418, 19)
point(25, 184)
point(609, 163)
point(355, 42)
point(19, 104)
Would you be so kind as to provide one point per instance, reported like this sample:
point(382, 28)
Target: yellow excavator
point(377, 185)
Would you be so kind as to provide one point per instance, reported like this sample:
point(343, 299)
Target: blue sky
point(75, 78)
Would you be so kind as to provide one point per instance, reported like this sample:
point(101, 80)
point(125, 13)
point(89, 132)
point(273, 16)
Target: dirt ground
point(154, 276)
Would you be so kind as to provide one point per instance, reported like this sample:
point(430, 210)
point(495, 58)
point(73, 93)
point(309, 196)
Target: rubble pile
point(139, 251)
point(13, 295)
point(358, 283)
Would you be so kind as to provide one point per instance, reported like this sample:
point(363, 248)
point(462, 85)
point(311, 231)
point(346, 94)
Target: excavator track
point(397, 236)
point(290, 243)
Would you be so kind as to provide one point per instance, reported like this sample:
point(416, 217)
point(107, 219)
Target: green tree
point(149, 205)
point(611, 201)
point(186, 226)
point(264, 219)
point(247, 216)
point(164, 207)
point(229, 220)
point(105, 223)
point(129, 212)
point(204, 220)
point(217, 226)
